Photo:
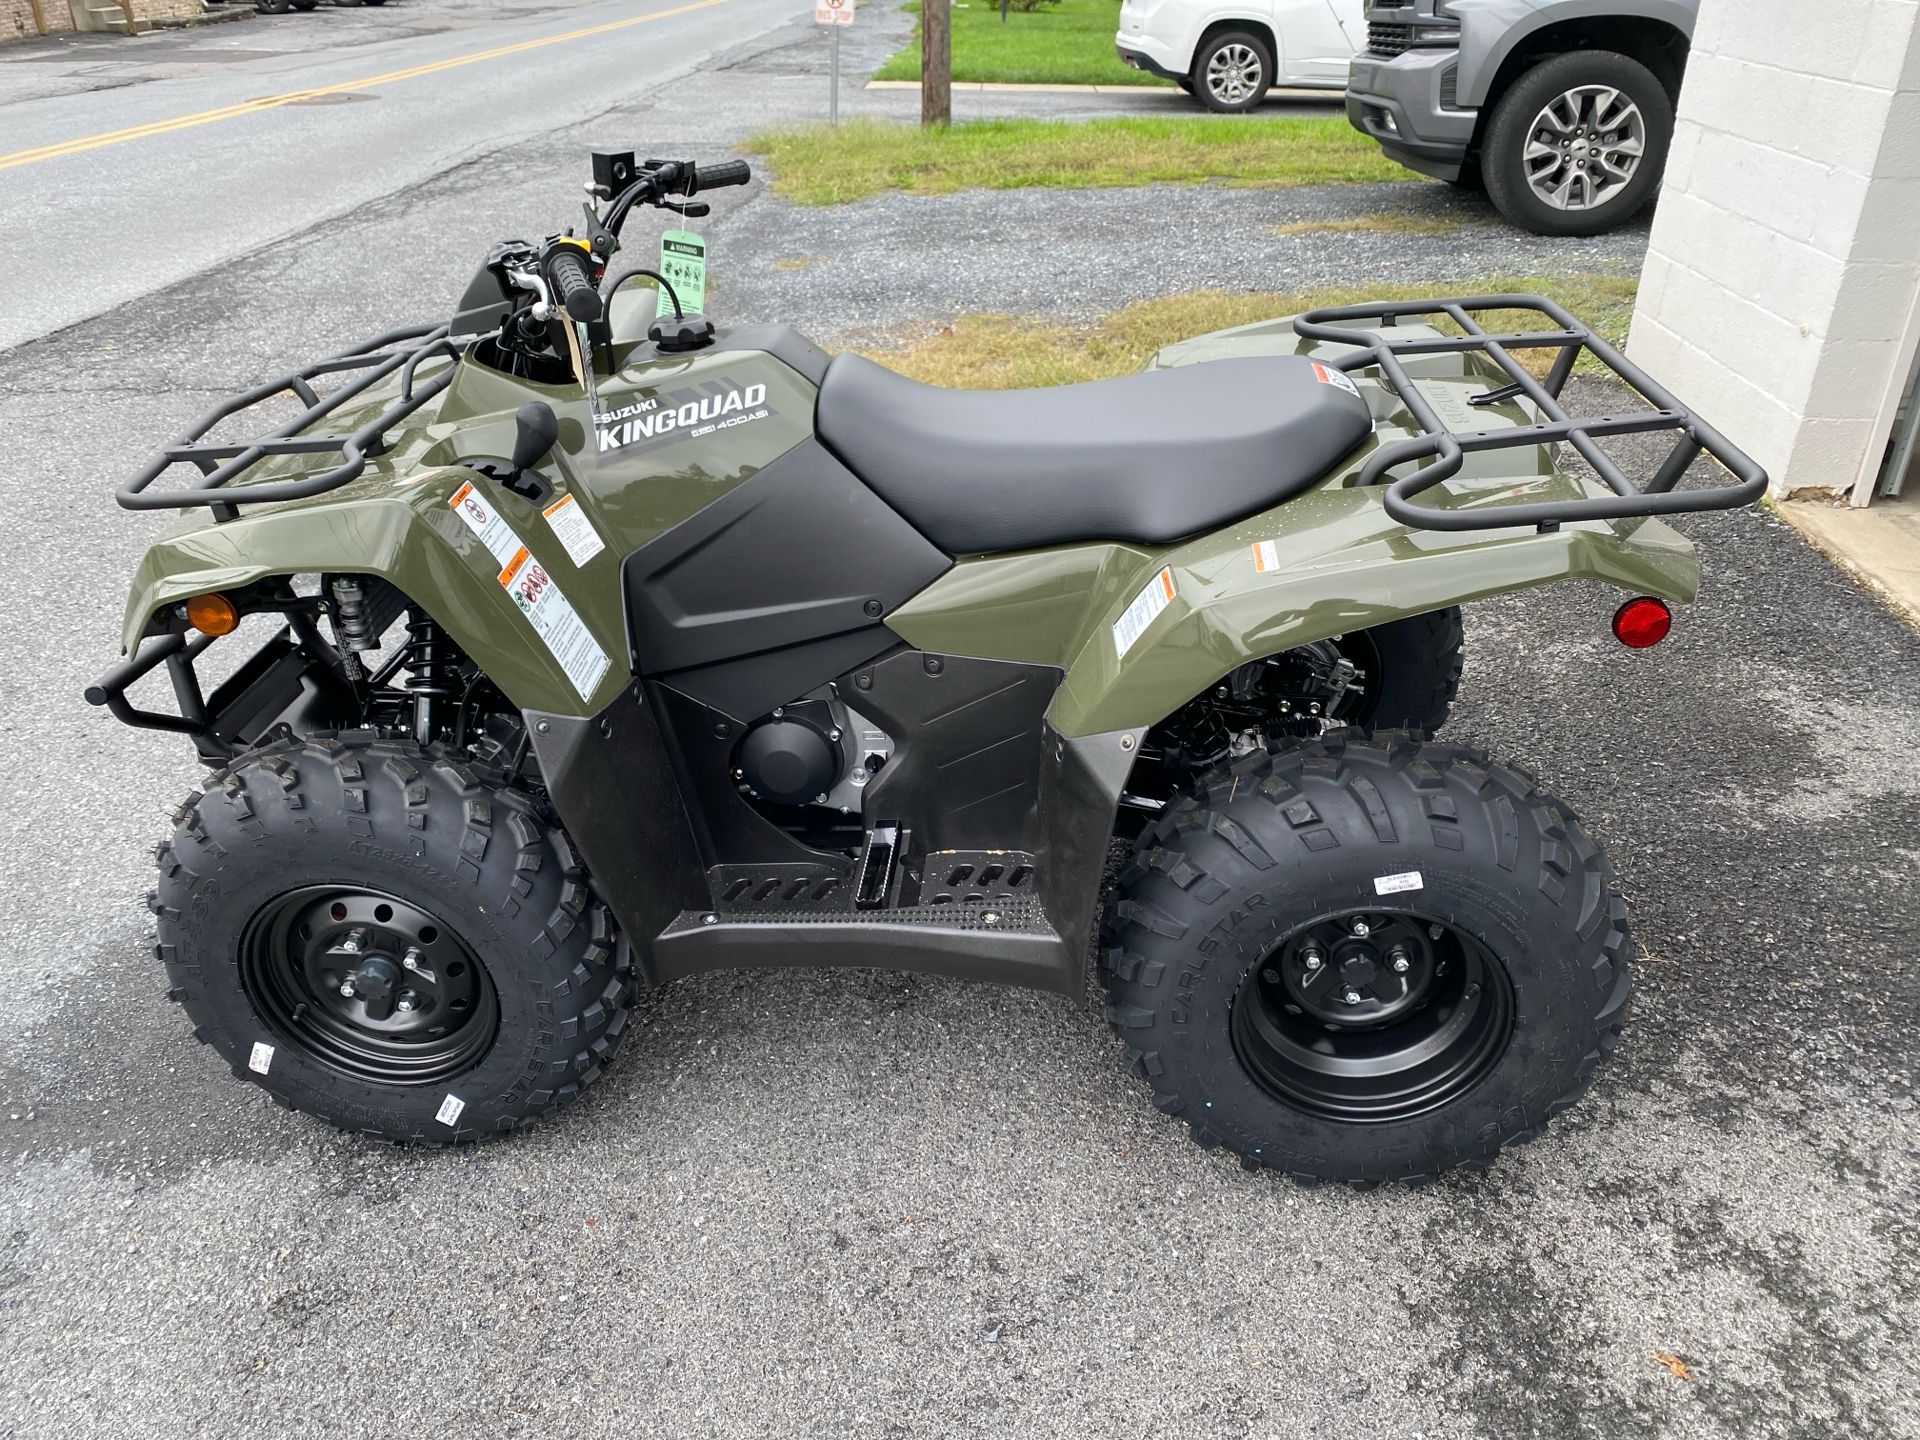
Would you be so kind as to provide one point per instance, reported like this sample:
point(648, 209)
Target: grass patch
point(1001, 352)
point(1388, 222)
point(1066, 44)
point(815, 166)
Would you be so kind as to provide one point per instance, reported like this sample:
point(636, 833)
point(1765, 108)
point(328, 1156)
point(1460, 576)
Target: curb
point(1873, 544)
point(224, 15)
point(1330, 97)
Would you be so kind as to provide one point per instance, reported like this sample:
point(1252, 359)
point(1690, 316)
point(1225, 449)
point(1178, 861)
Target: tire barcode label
point(449, 1111)
point(1394, 884)
point(261, 1060)
point(1144, 610)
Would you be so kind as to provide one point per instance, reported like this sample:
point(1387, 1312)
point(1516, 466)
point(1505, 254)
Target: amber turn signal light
point(1642, 622)
point(212, 614)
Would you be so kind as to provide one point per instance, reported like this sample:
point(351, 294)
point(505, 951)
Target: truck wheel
point(379, 934)
point(1577, 144)
point(1366, 960)
point(272, 7)
point(1232, 72)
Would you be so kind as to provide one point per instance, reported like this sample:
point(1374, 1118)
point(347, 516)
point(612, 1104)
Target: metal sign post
point(835, 13)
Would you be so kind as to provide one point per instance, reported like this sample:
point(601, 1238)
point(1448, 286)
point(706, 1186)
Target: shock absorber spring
point(432, 660)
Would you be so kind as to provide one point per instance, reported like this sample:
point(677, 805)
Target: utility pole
point(936, 63)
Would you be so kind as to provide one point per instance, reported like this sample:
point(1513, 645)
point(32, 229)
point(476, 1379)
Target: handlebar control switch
point(674, 334)
point(613, 169)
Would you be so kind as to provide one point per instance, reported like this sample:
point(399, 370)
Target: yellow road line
point(269, 102)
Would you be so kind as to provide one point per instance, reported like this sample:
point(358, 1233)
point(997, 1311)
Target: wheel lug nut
point(347, 989)
point(1313, 960)
point(1362, 929)
point(407, 1001)
point(1353, 997)
point(1401, 964)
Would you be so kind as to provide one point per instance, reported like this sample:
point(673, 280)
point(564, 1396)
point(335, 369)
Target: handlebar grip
point(567, 273)
point(727, 172)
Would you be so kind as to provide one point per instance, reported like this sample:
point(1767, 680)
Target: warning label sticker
point(574, 530)
point(559, 627)
point(1144, 610)
point(1266, 558)
point(1329, 376)
point(486, 522)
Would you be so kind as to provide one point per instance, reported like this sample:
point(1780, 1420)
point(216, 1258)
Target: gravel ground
point(1083, 253)
point(866, 1204)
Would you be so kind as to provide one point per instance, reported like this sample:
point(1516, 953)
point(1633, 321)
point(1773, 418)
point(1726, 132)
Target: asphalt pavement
point(869, 1204)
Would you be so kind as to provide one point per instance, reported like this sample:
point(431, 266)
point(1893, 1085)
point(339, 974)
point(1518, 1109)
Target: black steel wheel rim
point(1374, 1016)
point(369, 985)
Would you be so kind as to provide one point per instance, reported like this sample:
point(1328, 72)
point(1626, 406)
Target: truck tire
point(389, 938)
point(1232, 72)
point(1577, 144)
point(1364, 960)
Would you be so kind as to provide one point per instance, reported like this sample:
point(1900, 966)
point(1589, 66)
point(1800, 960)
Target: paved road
point(867, 1204)
point(382, 117)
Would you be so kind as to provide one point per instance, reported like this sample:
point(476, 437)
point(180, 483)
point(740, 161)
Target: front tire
point(1232, 72)
point(1366, 959)
point(1577, 144)
point(384, 936)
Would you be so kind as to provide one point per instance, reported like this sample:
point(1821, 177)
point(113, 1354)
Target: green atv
point(601, 647)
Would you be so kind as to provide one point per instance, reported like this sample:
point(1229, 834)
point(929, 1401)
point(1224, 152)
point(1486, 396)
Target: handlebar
point(714, 177)
point(660, 178)
point(572, 287)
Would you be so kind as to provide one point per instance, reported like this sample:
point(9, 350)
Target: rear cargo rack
point(1656, 497)
point(221, 462)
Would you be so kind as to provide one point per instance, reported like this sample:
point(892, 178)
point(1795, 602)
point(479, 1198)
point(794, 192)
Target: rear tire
point(443, 895)
point(1504, 911)
point(1232, 72)
point(1419, 672)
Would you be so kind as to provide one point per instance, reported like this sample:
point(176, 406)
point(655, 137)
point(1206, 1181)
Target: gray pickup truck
point(1563, 109)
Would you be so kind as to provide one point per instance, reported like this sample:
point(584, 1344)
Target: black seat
point(1152, 457)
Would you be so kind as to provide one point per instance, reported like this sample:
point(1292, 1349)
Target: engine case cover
point(789, 760)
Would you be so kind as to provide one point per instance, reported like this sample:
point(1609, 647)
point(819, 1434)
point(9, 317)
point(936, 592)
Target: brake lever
point(693, 209)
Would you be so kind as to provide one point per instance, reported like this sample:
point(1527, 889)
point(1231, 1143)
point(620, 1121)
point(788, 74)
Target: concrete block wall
point(17, 19)
point(1779, 290)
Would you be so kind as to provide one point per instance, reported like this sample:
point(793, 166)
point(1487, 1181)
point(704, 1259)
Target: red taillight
point(1642, 622)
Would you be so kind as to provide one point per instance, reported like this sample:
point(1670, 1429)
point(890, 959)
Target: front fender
point(409, 535)
point(1333, 561)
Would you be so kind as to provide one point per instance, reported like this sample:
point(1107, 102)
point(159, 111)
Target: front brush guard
point(1656, 497)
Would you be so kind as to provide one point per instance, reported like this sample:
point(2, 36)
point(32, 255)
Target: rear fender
point(1323, 564)
point(410, 536)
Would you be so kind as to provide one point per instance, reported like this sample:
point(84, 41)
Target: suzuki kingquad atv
point(603, 647)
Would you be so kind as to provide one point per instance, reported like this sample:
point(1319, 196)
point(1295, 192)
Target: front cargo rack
point(220, 462)
point(1656, 497)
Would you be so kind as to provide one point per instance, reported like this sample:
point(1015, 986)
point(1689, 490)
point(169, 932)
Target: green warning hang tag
point(683, 260)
